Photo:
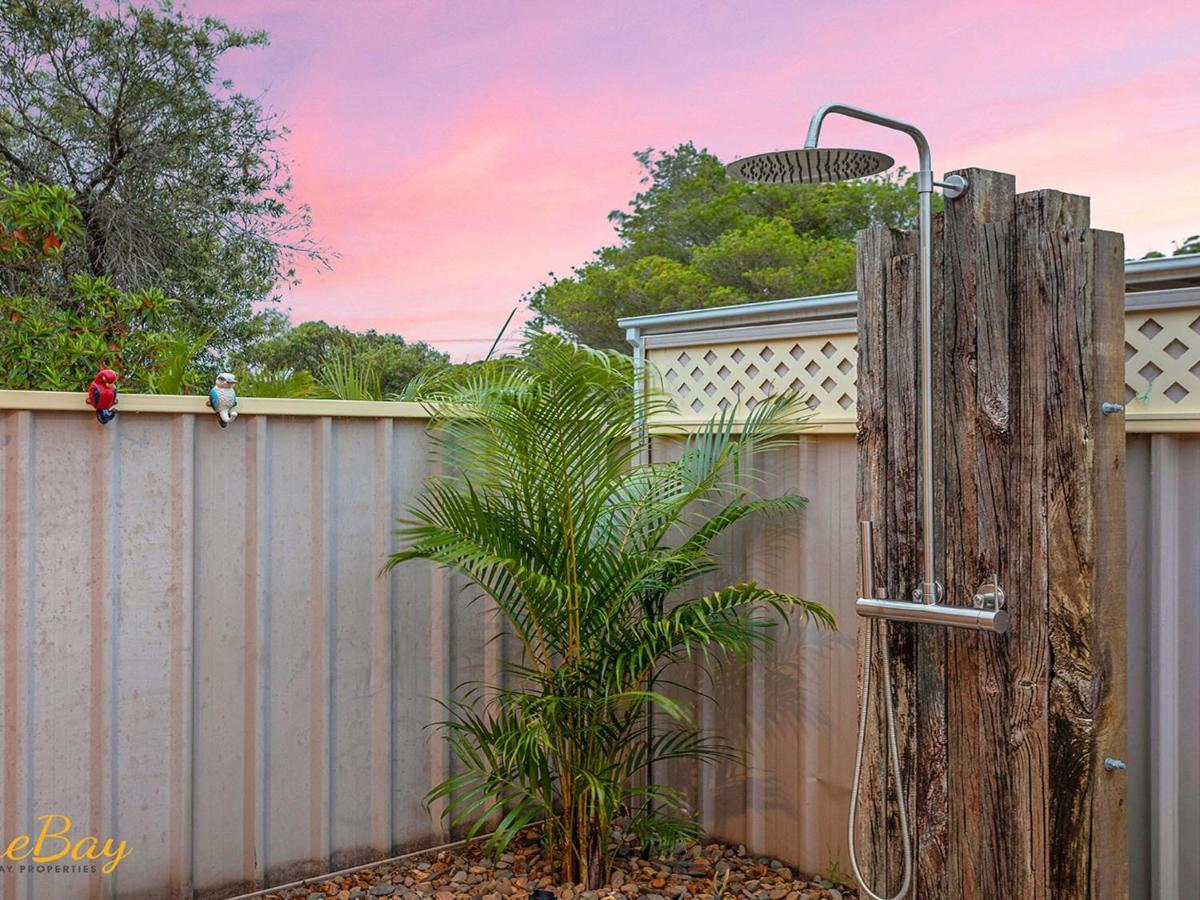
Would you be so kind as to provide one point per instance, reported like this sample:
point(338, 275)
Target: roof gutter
point(1162, 272)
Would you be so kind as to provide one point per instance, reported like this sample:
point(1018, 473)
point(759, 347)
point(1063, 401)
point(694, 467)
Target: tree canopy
point(145, 208)
point(1187, 246)
point(313, 346)
point(59, 326)
point(178, 178)
point(693, 237)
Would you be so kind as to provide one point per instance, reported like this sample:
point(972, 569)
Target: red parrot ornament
point(102, 395)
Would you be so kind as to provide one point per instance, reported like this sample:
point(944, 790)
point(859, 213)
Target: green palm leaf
point(542, 504)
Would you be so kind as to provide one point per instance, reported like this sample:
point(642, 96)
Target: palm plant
point(174, 373)
point(347, 377)
point(288, 383)
point(543, 505)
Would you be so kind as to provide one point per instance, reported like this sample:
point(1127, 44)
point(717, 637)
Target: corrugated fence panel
point(354, 563)
point(144, 672)
point(793, 708)
point(1164, 664)
point(199, 657)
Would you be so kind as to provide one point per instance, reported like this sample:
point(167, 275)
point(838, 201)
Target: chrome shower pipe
point(929, 589)
point(930, 592)
point(993, 620)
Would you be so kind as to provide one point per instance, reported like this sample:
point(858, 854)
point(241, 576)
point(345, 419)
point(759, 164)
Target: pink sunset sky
point(454, 153)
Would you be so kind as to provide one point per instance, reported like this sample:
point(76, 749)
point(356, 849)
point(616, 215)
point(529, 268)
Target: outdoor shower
point(813, 165)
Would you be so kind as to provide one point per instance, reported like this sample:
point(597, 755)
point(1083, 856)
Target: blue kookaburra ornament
point(223, 399)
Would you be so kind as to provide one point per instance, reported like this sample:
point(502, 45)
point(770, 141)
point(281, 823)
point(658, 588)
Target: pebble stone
point(695, 870)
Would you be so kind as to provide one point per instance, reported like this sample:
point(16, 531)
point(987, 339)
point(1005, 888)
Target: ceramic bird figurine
point(102, 395)
point(223, 399)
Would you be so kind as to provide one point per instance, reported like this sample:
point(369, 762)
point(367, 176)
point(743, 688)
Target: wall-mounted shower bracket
point(939, 593)
point(954, 186)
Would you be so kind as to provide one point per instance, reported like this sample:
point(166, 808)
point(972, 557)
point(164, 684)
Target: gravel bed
point(698, 870)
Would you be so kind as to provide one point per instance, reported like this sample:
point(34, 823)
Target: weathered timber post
point(1002, 737)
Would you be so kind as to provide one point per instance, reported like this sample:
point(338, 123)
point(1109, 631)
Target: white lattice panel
point(706, 380)
point(1162, 370)
point(1162, 361)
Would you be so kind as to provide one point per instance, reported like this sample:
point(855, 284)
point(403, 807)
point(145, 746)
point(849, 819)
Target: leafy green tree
point(178, 178)
point(59, 328)
point(355, 360)
point(53, 346)
point(542, 505)
point(695, 237)
point(1188, 245)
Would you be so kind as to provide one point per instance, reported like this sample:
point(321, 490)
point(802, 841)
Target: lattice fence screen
point(1162, 370)
point(706, 380)
point(1162, 361)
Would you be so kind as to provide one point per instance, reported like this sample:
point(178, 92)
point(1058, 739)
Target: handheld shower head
point(809, 166)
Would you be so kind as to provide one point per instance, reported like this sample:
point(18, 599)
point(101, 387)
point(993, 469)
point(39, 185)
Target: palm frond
point(174, 373)
point(343, 376)
point(285, 383)
point(542, 504)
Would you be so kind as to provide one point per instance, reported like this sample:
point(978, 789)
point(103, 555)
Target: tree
point(542, 505)
point(384, 361)
point(60, 328)
point(1188, 245)
point(695, 237)
point(178, 177)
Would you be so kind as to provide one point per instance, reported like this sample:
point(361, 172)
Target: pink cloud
point(455, 153)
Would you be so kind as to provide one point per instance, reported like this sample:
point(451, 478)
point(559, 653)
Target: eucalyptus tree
point(591, 557)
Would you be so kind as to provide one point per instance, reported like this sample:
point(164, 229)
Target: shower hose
point(894, 754)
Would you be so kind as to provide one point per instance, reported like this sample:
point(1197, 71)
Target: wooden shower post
point(1003, 738)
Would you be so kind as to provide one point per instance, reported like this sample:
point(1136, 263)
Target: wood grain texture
point(887, 411)
point(973, 444)
point(1110, 852)
point(1002, 738)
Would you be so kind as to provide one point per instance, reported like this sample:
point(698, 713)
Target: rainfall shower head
point(809, 166)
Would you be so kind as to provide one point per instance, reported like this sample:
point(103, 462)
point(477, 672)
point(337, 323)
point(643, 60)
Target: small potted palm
point(543, 502)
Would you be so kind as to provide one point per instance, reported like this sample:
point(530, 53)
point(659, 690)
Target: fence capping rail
point(73, 401)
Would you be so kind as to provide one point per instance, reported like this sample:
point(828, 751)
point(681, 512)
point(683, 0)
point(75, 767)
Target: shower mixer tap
point(986, 613)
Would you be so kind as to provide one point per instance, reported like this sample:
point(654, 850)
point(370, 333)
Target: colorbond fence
point(197, 655)
point(199, 658)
